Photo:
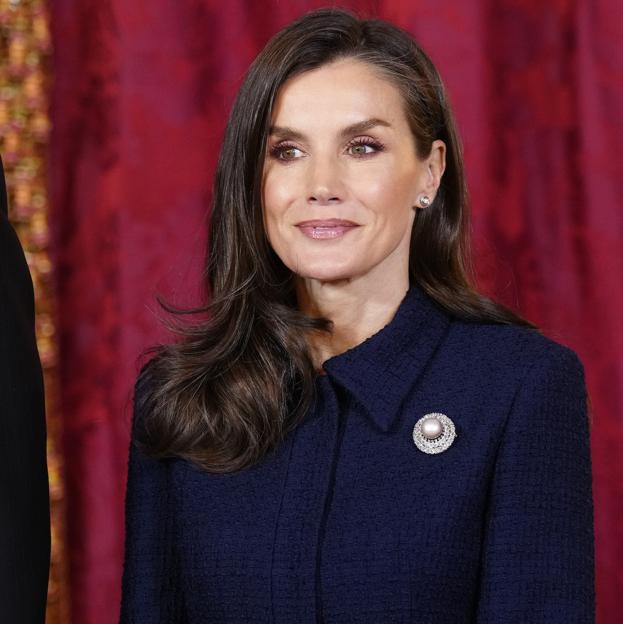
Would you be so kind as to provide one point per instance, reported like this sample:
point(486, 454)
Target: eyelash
point(278, 149)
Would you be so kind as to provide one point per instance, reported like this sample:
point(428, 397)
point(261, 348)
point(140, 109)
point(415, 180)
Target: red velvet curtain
point(141, 95)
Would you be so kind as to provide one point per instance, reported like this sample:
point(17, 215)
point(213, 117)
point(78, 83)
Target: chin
point(326, 274)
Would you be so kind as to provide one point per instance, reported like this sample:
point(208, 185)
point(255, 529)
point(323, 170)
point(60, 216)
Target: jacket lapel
point(380, 371)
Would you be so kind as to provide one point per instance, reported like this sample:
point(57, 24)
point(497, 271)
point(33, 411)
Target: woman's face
point(341, 154)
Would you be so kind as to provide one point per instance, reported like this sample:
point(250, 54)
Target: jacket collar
point(381, 370)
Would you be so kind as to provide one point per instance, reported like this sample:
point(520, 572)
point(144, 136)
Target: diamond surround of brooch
point(434, 433)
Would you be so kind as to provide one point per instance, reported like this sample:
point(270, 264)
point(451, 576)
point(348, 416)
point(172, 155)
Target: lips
point(326, 228)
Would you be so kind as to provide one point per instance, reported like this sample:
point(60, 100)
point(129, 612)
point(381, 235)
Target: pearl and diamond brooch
point(434, 433)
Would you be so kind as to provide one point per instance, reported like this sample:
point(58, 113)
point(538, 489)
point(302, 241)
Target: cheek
point(277, 192)
point(388, 193)
point(276, 198)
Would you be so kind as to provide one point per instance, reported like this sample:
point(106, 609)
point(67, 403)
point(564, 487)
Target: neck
point(357, 311)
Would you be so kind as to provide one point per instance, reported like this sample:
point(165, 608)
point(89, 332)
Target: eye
point(360, 146)
point(284, 151)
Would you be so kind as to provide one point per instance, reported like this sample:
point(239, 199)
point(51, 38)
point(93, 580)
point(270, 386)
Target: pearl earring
point(424, 201)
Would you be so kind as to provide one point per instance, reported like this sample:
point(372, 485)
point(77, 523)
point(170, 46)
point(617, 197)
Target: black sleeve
point(24, 494)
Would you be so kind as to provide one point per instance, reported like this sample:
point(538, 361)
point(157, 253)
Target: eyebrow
point(360, 126)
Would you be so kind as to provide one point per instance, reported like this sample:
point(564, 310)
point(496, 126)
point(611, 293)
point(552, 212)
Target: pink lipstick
point(326, 228)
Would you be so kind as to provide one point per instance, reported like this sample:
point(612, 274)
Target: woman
point(353, 434)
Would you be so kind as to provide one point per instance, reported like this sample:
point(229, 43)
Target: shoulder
point(145, 377)
point(513, 353)
point(522, 380)
point(143, 395)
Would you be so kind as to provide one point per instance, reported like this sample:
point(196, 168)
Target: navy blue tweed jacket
point(349, 520)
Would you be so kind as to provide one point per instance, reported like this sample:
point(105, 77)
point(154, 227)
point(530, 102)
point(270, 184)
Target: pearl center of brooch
point(432, 428)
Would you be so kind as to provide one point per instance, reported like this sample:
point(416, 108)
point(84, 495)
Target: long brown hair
point(228, 390)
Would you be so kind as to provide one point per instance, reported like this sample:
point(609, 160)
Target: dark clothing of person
point(349, 520)
point(24, 494)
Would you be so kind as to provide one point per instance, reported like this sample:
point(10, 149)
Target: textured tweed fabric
point(349, 521)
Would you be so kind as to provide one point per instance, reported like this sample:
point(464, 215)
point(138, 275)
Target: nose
point(324, 183)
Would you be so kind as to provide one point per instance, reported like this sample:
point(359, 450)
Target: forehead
point(341, 92)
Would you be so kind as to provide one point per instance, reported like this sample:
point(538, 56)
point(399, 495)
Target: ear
point(433, 167)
